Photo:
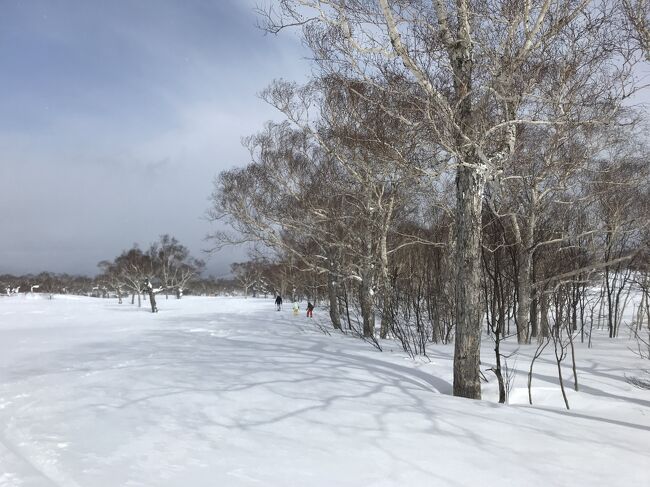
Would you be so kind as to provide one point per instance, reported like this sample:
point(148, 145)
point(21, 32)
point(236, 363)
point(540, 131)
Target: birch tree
point(637, 13)
point(173, 264)
point(478, 68)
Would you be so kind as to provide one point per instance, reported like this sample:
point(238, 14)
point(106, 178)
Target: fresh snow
point(230, 392)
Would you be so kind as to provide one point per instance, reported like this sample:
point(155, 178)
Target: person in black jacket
point(310, 310)
point(278, 302)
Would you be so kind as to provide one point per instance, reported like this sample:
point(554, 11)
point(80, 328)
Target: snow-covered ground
point(229, 392)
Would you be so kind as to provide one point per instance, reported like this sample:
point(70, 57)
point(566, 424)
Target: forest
point(452, 170)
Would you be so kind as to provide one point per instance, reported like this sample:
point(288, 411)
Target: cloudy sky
point(115, 116)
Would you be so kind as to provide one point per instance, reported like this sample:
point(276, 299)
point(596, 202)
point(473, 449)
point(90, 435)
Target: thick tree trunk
point(470, 183)
point(383, 260)
point(332, 287)
point(367, 312)
point(525, 264)
point(469, 192)
point(543, 308)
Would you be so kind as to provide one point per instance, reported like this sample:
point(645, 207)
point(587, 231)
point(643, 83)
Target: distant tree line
point(452, 166)
point(166, 267)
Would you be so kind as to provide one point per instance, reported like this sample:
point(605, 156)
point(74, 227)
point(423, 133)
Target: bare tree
point(247, 274)
point(637, 13)
point(173, 264)
point(478, 69)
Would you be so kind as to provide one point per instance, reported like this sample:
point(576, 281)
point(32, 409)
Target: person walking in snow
point(278, 302)
point(310, 310)
point(295, 308)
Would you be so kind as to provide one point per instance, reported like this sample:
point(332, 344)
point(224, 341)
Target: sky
point(115, 117)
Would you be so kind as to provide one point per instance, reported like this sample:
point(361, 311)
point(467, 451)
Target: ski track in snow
point(229, 392)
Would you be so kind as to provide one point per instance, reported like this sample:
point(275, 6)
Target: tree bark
point(525, 264)
point(533, 315)
point(543, 308)
point(332, 287)
point(469, 192)
point(385, 281)
point(523, 292)
point(365, 299)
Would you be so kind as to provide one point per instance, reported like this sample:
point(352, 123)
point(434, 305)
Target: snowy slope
point(228, 392)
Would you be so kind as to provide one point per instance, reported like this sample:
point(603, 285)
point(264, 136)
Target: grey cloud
point(100, 148)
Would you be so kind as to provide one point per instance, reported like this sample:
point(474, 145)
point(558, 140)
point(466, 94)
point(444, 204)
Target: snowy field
point(229, 392)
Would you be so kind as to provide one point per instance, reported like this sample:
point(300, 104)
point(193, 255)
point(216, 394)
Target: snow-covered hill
point(229, 392)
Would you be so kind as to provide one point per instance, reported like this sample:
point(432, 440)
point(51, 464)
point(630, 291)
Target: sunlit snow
point(230, 392)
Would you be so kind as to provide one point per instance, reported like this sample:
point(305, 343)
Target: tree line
point(454, 165)
point(165, 267)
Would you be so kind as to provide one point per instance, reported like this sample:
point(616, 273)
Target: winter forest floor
point(229, 392)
